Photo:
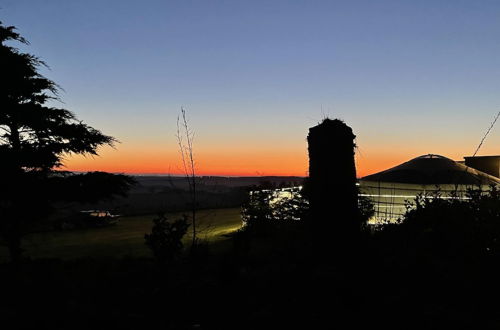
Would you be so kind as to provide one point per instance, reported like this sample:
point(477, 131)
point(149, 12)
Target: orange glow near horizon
point(264, 163)
point(238, 168)
point(251, 161)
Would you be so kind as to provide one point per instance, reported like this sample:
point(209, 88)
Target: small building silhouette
point(486, 164)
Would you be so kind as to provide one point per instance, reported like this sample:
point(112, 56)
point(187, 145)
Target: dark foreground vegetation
point(438, 269)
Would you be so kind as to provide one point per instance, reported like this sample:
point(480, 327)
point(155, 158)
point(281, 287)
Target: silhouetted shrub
point(441, 259)
point(450, 227)
point(274, 205)
point(366, 209)
point(274, 226)
point(165, 239)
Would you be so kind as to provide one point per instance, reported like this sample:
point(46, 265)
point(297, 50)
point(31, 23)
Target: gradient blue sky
point(410, 77)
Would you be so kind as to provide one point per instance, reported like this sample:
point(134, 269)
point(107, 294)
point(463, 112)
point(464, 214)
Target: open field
point(126, 239)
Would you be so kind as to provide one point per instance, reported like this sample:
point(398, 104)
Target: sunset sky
point(410, 78)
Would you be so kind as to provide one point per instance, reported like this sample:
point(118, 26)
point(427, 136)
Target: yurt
point(392, 189)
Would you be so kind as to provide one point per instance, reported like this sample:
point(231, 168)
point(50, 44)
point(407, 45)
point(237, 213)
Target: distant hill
point(154, 193)
point(211, 183)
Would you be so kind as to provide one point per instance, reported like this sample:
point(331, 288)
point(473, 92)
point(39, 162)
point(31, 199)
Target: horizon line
point(201, 175)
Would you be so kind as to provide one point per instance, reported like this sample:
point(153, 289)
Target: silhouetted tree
point(185, 139)
point(34, 139)
point(165, 239)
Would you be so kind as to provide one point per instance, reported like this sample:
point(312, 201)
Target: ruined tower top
point(334, 128)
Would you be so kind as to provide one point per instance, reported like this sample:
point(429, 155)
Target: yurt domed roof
point(433, 169)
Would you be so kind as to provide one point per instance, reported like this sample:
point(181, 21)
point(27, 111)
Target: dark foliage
point(281, 204)
point(441, 260)
point(88, 187)
point(165, 239)
point(459, 227)
point(366, 209)
point(403, 278)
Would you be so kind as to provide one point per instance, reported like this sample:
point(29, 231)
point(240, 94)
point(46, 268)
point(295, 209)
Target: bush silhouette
point(165, 240)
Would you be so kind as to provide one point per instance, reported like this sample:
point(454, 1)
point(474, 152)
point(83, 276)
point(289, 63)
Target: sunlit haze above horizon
point(410, 78)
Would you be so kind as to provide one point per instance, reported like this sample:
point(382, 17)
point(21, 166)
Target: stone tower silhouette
point(332, 177)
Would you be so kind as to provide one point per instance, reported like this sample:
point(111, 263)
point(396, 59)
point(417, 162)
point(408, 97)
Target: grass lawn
point(122, 240)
